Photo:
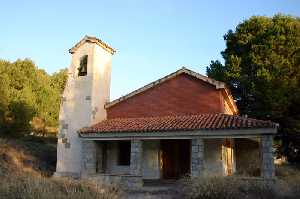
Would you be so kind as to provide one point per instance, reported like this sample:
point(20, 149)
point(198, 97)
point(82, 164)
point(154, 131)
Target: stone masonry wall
point(267, 161)
point(197, 163)
point(88, 158)
point(136, 158)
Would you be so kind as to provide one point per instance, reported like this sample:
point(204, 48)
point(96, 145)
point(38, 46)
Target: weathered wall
point(89, 150)
point(178, 96)
point(112, 166)
point(82, 105)
point(151, 167)
point(213, 163)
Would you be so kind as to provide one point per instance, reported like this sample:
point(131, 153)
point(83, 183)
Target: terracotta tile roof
point(178, 123)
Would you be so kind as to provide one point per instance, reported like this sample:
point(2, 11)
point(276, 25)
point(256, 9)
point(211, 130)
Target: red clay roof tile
point(177, 123)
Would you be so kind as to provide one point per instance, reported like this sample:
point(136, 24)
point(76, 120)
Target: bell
point(83, 69)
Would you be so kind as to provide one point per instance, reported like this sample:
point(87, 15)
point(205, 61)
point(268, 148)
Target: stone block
point(64, 140)
point(61, 135)
point(67, 145)
point(65, 126)
point(195, 148)
point(88, 98)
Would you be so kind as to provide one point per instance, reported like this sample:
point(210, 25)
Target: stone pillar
point(136, 158)
point(88, 158)
point(267, 161)
point(197, 160)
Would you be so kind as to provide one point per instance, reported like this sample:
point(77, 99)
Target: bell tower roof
point(95, 40)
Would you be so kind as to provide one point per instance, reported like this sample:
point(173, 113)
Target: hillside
point(25, 167)
point(34, 155)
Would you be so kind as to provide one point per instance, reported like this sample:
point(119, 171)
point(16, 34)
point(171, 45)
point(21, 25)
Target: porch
point(131, 162)
point(137, 149)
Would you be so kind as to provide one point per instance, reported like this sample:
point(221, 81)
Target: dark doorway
point(175, 158)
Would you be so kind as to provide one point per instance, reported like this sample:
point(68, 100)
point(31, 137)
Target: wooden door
point(175, 158)
point(228, 156)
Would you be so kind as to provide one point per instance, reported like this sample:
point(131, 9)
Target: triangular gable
point(183, 70)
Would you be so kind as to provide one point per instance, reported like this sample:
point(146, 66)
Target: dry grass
point(23, 166)
point(20, 180)
point(28, 186)
point(235, 187)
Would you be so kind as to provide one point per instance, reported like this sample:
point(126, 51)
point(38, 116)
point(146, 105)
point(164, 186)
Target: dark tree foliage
point(27, 92)
point(262, 68)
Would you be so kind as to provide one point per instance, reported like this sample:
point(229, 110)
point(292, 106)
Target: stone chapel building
point(182, 124)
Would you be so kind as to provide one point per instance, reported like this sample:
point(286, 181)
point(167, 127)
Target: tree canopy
point(262, 68)
point(27, 92)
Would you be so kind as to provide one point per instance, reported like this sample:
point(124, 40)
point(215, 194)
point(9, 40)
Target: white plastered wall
point(82, 104)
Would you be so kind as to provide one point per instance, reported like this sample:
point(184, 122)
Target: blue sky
point(153, 37)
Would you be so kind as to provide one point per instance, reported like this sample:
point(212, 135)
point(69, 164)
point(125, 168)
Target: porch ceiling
point(180, 126)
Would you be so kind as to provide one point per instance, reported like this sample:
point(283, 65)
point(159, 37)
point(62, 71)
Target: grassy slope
point(24, 169)
point(34, 154)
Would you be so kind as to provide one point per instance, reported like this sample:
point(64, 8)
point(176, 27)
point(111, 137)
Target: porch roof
point(176, 124)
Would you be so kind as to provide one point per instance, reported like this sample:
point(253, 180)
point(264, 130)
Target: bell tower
point(86, 92)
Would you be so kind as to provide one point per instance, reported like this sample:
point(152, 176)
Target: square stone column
point(197, 159)
point(88, 157)
point(267, 161)
point(136, 159)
